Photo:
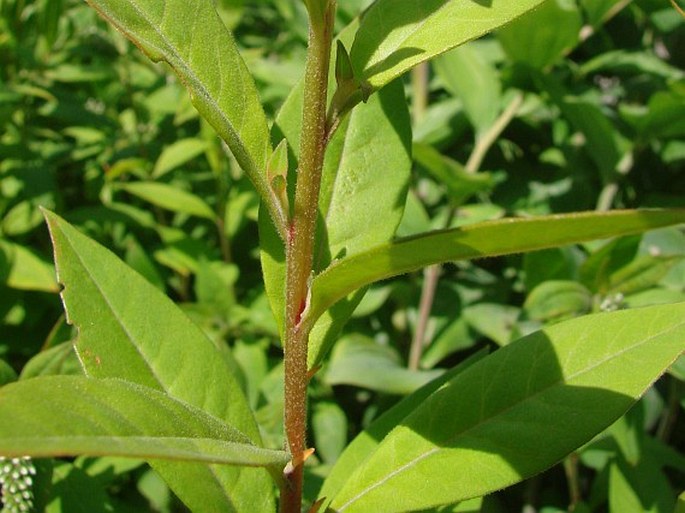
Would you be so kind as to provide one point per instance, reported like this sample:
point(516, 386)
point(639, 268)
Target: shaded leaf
point(364, 445)
point(555, 299)
point(544, 36)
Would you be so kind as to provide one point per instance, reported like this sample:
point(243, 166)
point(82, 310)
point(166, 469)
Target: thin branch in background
point(432, 274)
point(420, 78)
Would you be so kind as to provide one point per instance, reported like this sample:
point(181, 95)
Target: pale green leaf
point(25, 270)
point(70, 416)
point(493, 238)
point(470, 77)
point(128, 329)
point(177, 154)
point(396, 35)
point(518, 411)
point(361, 362)
point(193, 40)
point(169, 197)
point(363, 192)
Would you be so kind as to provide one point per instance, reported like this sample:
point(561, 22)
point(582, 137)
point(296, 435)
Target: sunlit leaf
point(518, 411)
point(477, 241)
point(70, 416)
point(193, 40)
point(396, 35)
point(128, 329)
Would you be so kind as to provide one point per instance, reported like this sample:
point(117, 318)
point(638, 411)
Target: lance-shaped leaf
point(128, 329)
point(518, 411)
point(396, 35)
point(193, 40)
point(74, 415)
point(488, 239)
point(363, 190)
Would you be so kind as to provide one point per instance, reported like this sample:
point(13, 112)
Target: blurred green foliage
point(91, 129)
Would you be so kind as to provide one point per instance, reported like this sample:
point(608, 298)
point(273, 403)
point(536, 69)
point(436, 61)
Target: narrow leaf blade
point(170, 198)
point(73, 415)
point(481, 240)
point(193, 40)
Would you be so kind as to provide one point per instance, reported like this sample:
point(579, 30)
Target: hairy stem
point(299, 251)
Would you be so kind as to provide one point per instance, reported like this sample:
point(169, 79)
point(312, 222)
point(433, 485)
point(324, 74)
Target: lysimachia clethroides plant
point(332, 173)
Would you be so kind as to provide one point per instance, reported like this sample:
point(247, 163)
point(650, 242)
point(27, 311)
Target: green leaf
point(7, 374)
point(460, 184)
point(557, 299)
point(641, 274)
point(360, 361)
point(494, 238)
point(363, 193)
point(69, 416)
point(542, 38)
point(471, 78)
point(519, 411)
point(60, 359)
point(364, 445)
point(193, 40)
point(597, 11)
point(680, 507)
point(24, 270)
point(169, 197)
point(128, 329)
point(177, 154)
point(366, 175)
point(495, 321)
point(329, 424)
point(396, 35)
point(666, 116)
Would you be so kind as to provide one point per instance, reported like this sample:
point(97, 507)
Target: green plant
point(332, 194)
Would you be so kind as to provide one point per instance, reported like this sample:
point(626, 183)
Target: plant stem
point(432, 274)
point(419, 83)
point(299, 251)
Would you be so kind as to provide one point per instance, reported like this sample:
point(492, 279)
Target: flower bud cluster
point(15, 484)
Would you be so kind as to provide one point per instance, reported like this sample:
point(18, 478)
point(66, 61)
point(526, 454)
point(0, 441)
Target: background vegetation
point(587, 101)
